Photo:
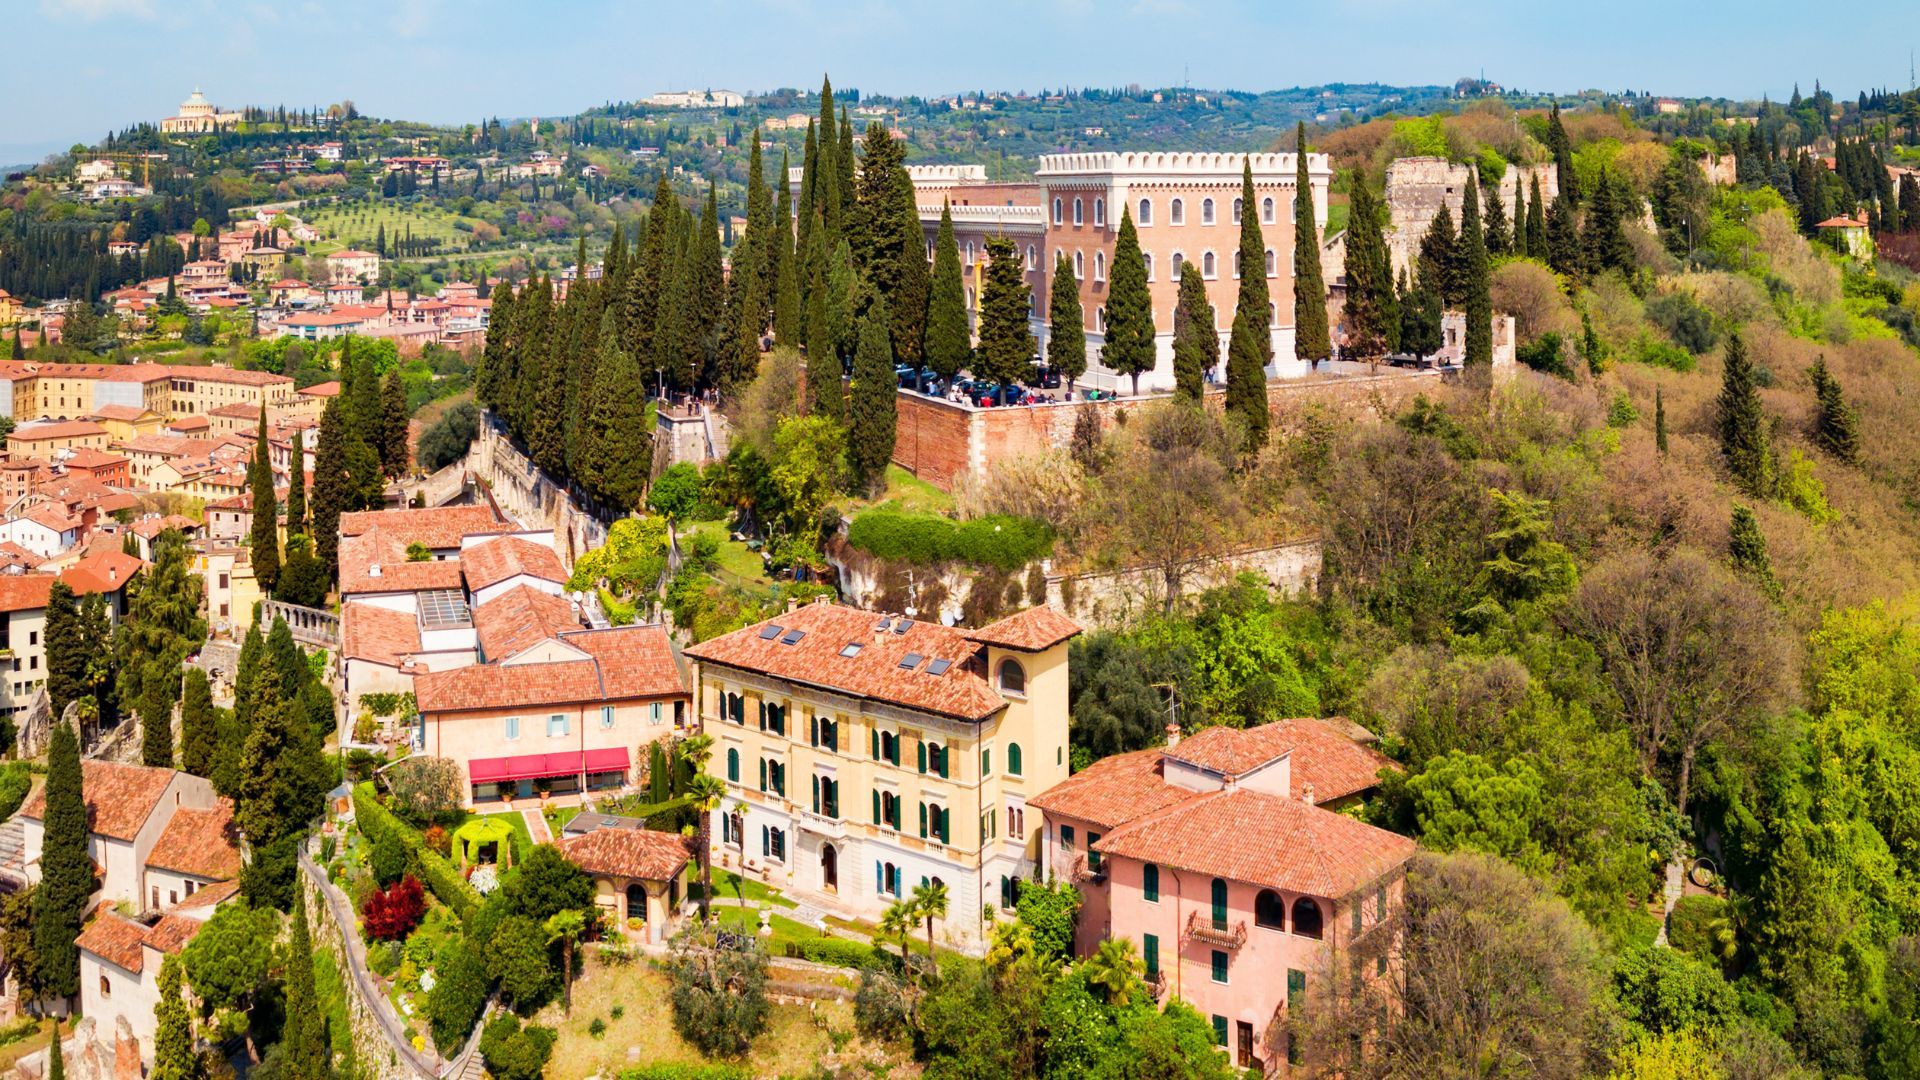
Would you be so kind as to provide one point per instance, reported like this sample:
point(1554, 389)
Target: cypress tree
point(1196, 336)
point(1747, 549)
point(619, 443)
point(67, 651)
point(1498, 240)
point(66, 870)
point(826, 395)
point(843, 160)
point(297, 486)
point(1537, 223)
point(1006, 344)
point(363, 399)
point(1066, 324)
point(786, 266)
point(1421, 318)
point(949, 342)
point(56, 1058)
point(1562, 149)
point(1312, 340)
point(158, 683)
point(263, 545)
point(545, 411)
point(873, 401)
point(1604, 242)
point(805, 212)
point(1743, 423)
point(305, 1053)
point(1441, 267)
point(1519, 242)
point(1129, 348)
point(199, 731)
point(329, 486)
point(843, 287)
point(19, 350)
point(1476, 282)
point(282, 787)
point(1659, 422)
point(1250, 349)
point(393, 426)
point(1372, 311)
point(1834, 429)
point(1563, 239)
point(173, 1054)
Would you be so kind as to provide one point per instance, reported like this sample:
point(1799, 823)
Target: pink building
point(1219, 858)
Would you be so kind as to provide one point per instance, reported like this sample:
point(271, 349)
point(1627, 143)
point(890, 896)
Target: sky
point(75, 69)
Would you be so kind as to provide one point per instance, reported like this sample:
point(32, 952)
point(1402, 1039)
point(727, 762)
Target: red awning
point(538, 766)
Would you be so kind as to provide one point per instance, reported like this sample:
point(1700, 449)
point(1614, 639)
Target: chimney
point(1306, 793)
point(793, 604)
point(373, 570)
point(1173, 736)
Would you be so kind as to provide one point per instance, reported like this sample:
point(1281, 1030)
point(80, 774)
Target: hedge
point(686, 1072)
point(999, 540)
point(16, 780)
point(380, 825)
point(840, 952)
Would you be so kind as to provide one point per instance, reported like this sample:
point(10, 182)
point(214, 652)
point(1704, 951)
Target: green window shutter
point(733, 764)
point(1150, 882)
point(1219, 1031)
point(923, 821)
point(816, 794)
point(1219, 966)
point(1150, 951)
point(1013, 759)
point(762, 710)
point(1093, 857)
point(923, 757)
point(763, 774)
point(876, 744)
point(1219, 902)
point(876, 807)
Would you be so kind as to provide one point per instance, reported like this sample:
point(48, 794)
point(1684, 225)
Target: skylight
point(903, 626)
point(910, 661)
point(938, 667)
point(770, 631)
point(792, 637)
point(850, 649)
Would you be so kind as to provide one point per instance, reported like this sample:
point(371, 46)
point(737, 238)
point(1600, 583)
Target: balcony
point(1202, 928)
point(1084, 872)
point(820, 824)
point(1157, 985)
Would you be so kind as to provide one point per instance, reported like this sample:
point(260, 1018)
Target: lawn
point(785, 930)
point(910, 494)
point(731, 886)
point(359, 223)
point(738, 566)
point(796, 1039)
point(26, 1044)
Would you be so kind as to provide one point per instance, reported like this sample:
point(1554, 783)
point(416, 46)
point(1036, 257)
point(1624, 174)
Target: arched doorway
point(829, 868)
point(637, 902)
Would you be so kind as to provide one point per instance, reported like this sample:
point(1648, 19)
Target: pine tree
point(1743, 423)
point(1006, 344)
point(1196, 336)
point(393, 426)
point(305, 1053)
point(1561, 148)
point(1312, 340)
point(66, 870)
point(174, 1057)
point(1066, 325)
point(330, 486)
point(1372, 311)
point(1659, 422)
point(1442, 267)
point(67, 651)
point(873, 401)
point(199, 731)
point(263, 545)
point(949, 344)
point(1130, 348)
point(1747, 549)
point(297, 485)
point(1537, 223)
point(1834, 428)
point(1476, 282)
point(1499, 241)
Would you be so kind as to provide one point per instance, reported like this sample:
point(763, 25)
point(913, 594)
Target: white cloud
point(95, 10)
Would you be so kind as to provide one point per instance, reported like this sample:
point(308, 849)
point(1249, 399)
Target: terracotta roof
point(209, 895)
point(1031, 630)
point(202, 843)
point(24, 592)
point(1113, 790)
point(190, 423)
point(325, 389)
point(121, 941)
point(1233, 751)
point(1842, 222)
point(378, 635)
point(172, 932)
point(440, 527)
point(86, 457)
point(238, 409)
point(873, 671)
point(521, 617)
point(119, 412)
point(53, 516)
point(12, 554)
point(491, 562)
point(1263, 839)
point(627, 853)
point(58, 429)
point(623, 663)
point(351, 254)
point(379, 549)
point(238, 376)
point(119, 797)
point(150, 527)
point(1331, 760)
point(102, 571)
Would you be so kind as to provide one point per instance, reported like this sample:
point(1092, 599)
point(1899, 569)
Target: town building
point(359, 267)
point(697, 99)
point(197, 116)
point(865, 753)
point(636, 871)
point(1223, 858)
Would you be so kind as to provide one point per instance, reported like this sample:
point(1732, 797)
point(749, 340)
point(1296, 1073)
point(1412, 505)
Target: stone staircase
point(13, 849)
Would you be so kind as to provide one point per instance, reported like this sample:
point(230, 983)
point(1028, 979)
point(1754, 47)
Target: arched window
point(1146, 212)
point(1079, 213)
point(1219, 902)
point(1273, 264)
point(1273, 315)
point(1057, 219)
point(1013, 762)
point(1031, 263)
point(1080, 266)
point(969, 298)
point(1206, 211)
point(1148, 260)
point(1099, 266)
point(1099, 211)
point(1237, 209)
point(1266, 210)
point(1179, 260)
point(1269, 910)
point(733, 764)
point(1306, 917)
point(1013, 677)
point(106, 988)
point(969, 253)
point(1177, 213)
point(1100, 319)
point(1208, 267)
point(1236, 263)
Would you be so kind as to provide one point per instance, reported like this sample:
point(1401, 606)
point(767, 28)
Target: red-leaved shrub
point(390, 914)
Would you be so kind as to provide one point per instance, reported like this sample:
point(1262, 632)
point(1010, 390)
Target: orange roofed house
point(1219, 858)
point(865, 754)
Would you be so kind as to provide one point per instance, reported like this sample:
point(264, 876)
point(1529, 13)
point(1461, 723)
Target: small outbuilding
point(636, 875)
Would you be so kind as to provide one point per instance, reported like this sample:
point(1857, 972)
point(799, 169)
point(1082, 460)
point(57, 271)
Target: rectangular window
point(1219, 1031)
point(1093, 857)
point(1357, 918)
point(556, 725)
point(986, 761)
point(1150, 952)
point(654, 713)
point(1066, 838)
point(1219, 965)
point(606, 715)
point(1150, 883)
point(513, 727)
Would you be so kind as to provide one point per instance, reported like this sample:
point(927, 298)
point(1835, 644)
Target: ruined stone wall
point(1417, 187)
point(529, 495)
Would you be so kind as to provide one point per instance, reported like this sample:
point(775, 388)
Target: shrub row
point(840, 952)
point(686, 1072)
point(379, 825)
point(1000, 540)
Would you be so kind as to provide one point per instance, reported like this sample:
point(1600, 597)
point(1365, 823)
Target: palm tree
point(1114, 969)
point(930, 903)
point(899, 921)
point(706, 792)
point(566, 927)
